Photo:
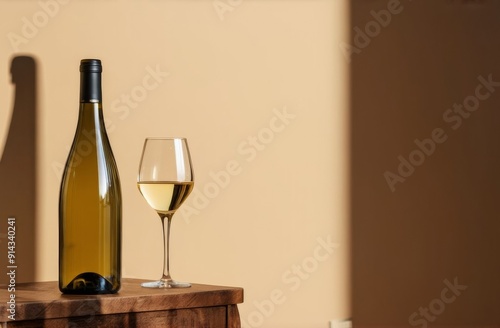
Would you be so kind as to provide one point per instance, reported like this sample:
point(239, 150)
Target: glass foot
point(166, 284)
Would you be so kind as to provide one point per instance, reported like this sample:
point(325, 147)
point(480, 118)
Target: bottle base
point(89, 283)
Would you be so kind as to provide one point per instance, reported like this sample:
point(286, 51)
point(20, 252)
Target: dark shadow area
point(425, 179)
point(18, 176)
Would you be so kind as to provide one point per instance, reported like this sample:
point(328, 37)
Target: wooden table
point(41, 304)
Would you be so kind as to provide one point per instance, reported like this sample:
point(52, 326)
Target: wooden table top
point(43, 300)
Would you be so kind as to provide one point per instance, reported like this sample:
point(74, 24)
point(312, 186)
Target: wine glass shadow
point(18, 175)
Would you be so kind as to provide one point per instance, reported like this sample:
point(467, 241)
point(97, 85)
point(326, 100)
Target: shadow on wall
point(425, 162)
point(18, 177)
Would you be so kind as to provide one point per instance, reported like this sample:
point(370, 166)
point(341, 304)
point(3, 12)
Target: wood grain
point(209, 306)
point(184, 318)
point(233, 317)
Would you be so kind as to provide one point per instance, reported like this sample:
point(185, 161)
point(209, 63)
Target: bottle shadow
point(18, 177)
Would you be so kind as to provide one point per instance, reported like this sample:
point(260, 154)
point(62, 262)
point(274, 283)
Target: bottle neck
point(90, 87)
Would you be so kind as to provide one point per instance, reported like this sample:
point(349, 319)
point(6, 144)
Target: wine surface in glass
point(165, 197)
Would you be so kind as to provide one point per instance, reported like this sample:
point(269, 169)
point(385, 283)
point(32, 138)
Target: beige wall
point(224, 74)
point(440, 225)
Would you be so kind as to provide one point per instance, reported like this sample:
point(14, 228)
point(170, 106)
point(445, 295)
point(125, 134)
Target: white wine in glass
point(165, 180)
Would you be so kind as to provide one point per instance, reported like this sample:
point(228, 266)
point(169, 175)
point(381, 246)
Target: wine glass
point(165, 181)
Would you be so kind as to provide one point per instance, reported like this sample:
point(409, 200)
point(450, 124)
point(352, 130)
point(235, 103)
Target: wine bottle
point(90, 205)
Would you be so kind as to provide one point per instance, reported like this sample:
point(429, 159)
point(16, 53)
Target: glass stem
point(166, 246)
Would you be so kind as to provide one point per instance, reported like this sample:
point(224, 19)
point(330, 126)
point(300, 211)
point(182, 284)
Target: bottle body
point(90, 207)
